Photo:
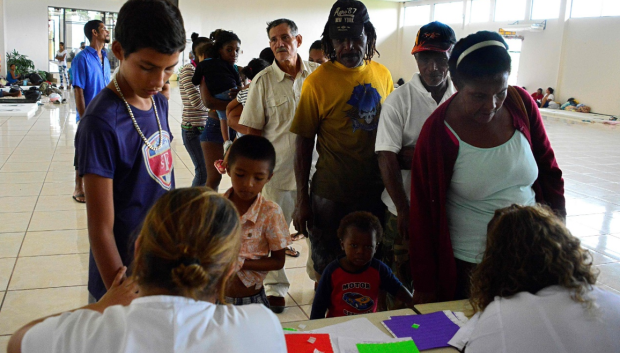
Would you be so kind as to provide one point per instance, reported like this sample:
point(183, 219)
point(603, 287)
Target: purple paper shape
point(435, 329)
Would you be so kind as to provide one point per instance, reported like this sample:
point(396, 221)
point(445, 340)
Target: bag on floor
point(35, 78)
point(32, 94)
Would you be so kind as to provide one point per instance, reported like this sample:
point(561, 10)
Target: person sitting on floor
point(350, 285)
point(538, 96)
point(548, 98)
point(251, 161)
point(534, 290)
point(11, 76)
point(185, 254)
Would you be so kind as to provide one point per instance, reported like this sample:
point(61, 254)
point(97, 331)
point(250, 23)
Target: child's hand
point(122, 292)
point(233, 93)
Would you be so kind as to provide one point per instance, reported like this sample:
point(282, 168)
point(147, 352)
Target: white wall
point(248, 19)
point(192, 18)
point(26, 30)
point(590, 68)
point(2, 40)
point(579, 57)
point(540, 53)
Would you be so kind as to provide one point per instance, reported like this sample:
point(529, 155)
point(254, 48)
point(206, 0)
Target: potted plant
point(23, 65)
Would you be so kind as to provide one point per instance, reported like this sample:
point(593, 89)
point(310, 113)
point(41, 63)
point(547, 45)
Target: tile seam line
point(39, 195)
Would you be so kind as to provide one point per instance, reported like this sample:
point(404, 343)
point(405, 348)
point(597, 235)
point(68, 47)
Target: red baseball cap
point(434, 36)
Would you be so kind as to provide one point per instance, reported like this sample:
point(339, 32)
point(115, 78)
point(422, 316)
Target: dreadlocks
point(371, 49)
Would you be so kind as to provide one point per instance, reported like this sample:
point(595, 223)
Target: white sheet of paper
point(361, 329)
point(349, 345)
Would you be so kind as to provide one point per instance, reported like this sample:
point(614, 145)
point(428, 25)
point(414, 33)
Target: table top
point(375, 318)
point(456, 305)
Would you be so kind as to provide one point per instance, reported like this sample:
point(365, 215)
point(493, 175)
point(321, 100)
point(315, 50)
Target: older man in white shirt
point(268, 112)
point(402, 116)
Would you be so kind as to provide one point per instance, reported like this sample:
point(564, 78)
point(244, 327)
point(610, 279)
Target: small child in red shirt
point(350, 285)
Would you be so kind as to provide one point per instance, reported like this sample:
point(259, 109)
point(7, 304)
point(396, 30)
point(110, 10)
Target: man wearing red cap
point(402, 116)
point(340, 104)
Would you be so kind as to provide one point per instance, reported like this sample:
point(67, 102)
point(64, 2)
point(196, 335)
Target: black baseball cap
point(434, 36)
point(346, 19)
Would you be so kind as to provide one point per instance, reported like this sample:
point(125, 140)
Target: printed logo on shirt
point(351, 285)
point(358, 301)
point(159, 163)
point(366, 102)
point(349, 313)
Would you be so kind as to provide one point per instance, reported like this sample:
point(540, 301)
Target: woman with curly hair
point(534, 290)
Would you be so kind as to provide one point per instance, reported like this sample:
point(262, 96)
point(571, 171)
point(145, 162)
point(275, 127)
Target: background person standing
point(90, 71)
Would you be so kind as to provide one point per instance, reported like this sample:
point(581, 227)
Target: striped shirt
point(194, 112)
point(242, 96)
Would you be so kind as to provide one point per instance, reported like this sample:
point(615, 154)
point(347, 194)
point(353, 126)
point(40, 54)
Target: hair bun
point(194, 36)
point(191, 276)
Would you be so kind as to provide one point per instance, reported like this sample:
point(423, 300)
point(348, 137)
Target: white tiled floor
point(43, 241)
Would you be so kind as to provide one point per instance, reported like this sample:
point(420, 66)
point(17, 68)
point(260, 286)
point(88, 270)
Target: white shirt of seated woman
point(534, 291)
point(184, 256)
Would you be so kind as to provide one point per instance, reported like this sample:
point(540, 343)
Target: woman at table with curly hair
point(534, 290)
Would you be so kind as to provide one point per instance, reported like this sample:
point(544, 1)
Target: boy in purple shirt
point(124, 137)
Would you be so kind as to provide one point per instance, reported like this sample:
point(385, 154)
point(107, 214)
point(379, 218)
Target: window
point(545, 9)
point(479, 11)
point(595, 8)
point(514, 49)
point(509, 10)
point(417, 15)
point(67, 25)
point(449, 12)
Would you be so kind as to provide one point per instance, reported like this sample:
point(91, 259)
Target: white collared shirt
point(271, 103)
point(403, 114)
point(155, 324)
point(549, 321)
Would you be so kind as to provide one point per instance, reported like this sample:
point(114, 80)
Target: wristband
point(227, 145)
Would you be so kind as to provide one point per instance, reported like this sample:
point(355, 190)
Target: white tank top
point(484, 180)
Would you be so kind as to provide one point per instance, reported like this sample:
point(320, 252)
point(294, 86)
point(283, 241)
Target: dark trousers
point(464, 270)
point(327, 215)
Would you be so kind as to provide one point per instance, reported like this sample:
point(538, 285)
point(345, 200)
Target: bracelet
point(227, 145)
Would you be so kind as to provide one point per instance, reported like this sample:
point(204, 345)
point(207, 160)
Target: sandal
point(290, 251)
point(297, 236)
point(79, 198)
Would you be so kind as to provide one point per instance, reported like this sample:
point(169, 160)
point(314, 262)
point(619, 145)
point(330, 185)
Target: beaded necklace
point(135, 123)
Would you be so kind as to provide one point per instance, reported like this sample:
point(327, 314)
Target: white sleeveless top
point(484, 180)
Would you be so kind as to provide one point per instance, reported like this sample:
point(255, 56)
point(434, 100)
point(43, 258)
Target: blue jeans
point(191, 140)
point(213, 132)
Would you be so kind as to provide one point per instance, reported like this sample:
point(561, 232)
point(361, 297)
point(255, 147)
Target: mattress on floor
point(577, 116)
point(17, 100)
point(20, 110)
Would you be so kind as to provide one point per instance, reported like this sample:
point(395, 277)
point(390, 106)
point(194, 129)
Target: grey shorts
point(259, 298)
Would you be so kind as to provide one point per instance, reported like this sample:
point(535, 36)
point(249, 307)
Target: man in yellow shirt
point(340, 104)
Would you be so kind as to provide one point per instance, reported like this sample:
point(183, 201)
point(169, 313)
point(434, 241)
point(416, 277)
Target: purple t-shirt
point(108, 145)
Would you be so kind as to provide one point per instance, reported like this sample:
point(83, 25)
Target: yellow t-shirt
point(342, 106)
